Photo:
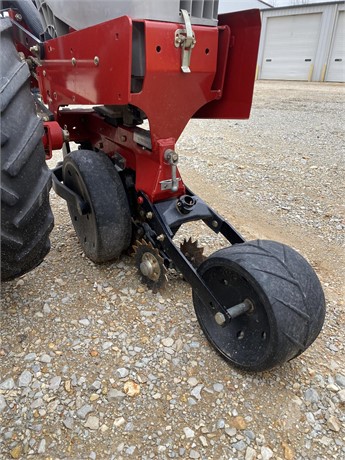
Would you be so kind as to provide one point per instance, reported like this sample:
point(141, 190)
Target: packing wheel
point(279, 295)
point(104, 230)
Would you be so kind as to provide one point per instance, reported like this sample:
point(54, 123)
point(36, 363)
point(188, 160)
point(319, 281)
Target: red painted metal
point(240, 66)
point(170, 97)
point(149, 165)
point(53, 138)
point(90, 66)
point(94, 66)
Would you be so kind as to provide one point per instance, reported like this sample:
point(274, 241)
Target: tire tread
point(26, 217)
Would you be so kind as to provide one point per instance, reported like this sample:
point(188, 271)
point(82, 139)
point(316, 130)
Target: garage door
point(336, 65)
point(290, 47)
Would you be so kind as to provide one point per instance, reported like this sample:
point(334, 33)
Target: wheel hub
point(149, 266)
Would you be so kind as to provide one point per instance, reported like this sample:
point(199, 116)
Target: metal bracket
point(67, 194)
point(171, 157)
point(185, 38)
point(28, 40)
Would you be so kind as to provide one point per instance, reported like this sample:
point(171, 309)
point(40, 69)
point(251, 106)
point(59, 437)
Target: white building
point(305, 42)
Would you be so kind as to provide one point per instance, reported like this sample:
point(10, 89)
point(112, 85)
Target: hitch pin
point(234, 312)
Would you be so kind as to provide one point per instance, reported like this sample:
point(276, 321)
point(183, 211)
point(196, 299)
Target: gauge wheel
point(104, 230)
point(287, 304)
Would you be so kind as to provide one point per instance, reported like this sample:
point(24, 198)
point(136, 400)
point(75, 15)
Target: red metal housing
point(93, 66)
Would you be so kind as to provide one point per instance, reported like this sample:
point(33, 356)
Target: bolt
point(34, 49)
point(96, 60)
point(160, 237)
point(220, 318)
point(74, 62)
point(65, 133)
point(215, 224)
point(18, 17)
point(123, 138)
point(44, 73)
point(149, 215)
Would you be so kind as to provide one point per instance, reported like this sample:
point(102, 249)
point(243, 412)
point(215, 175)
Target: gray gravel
point(95, 366)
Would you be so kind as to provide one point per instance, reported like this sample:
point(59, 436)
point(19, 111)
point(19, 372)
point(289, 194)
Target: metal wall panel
point(290, 49)
point(336, 64)
point(326, 40)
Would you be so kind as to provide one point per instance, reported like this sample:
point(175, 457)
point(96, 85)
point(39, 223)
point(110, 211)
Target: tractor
point(121, 80)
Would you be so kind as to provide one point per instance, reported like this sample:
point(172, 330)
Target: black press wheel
point(287, 304)
point(105, 230)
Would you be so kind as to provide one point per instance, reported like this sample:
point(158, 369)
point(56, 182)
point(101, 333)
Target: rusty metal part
point(150, 265)
point(193, 252)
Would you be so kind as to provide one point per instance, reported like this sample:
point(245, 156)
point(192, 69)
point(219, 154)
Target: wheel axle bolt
point(220, 318)
point(149, 215)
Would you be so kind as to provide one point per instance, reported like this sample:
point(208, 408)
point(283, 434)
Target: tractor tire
point(105, 230)
point(26, 217)
point(288, 304)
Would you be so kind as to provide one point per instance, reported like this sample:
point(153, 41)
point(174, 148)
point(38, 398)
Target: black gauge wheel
point(287, 304)
point(104, 230)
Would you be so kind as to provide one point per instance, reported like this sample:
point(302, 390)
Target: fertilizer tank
point(61, 15)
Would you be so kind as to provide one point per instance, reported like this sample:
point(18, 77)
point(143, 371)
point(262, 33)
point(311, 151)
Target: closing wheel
point(287, 305)
point(104, 229)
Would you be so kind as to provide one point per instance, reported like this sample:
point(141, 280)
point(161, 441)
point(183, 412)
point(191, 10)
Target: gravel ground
point(95, 366)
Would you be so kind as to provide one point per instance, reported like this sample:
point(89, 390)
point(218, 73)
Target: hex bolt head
point(34, 49)
point(175, 157)
point(149, 215)
point(74, 62)
point(96, 60)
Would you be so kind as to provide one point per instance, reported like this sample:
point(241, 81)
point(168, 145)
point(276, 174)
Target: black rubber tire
point(289, 304)
point(26, 218)
point(29, 13)
point(106, 230)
